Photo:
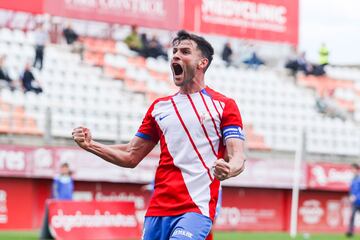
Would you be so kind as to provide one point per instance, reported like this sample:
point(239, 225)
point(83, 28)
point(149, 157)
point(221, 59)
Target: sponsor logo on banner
point(245, 14)
point(3, 207)
point(12, 160)
point(93, 220)
point(311, 211)
point(153, 7)
point(233, 216)
point(330, 176)
point(43, 158)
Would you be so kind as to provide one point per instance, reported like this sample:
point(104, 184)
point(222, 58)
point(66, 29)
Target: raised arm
point(235, 160)
point(124, 155)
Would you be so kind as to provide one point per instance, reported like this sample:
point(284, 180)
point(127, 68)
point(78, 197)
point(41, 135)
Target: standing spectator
point(354, 198)
point(323, 55)
point(62, 189)
point(63, 185)
point(227, 53)
point(70, 35)
point(41, 38)
point(134, 42)
point(28, 81)
point(4, 77)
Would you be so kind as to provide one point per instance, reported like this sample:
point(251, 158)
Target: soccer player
point(201, 140)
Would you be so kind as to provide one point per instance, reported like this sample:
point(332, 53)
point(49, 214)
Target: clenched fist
point(221, 169)
point(82, 136)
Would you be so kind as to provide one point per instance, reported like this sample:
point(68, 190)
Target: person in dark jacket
point(354, 198)
point(4, 77)
point(70, 35)
point(28, 81)
point(226, 54)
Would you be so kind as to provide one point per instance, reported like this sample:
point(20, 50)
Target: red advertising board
point(93, 220)
point(321, 211)
point(269, 173)
point(43, 162)
point(267, 20)
point(148, 13)
point(329, 176)
point(33, 6)
point(252, 209)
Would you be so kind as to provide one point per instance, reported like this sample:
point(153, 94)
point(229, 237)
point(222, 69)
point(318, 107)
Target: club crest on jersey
point(203, 117)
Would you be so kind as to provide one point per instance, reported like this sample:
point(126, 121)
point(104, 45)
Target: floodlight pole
point(296, 183)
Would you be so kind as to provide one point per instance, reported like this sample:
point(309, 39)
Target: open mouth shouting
point(177, 70)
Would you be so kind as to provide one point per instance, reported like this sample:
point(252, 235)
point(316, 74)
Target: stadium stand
point(111, 89)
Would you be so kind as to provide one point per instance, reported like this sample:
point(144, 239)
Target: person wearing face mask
point(201, 138)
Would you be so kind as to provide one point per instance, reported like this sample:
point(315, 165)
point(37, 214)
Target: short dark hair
point(204, 46)
point(355, 166)
point(65, 164)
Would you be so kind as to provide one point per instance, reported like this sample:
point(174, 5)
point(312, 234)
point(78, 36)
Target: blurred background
point(293, 68)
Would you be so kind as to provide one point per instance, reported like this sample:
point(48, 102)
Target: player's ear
point(203, 63)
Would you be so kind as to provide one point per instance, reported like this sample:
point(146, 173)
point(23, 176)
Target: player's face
point(184, 62)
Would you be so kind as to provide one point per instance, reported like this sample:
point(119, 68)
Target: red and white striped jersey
point(192, 129)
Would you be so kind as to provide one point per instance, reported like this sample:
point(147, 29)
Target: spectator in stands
point(227, 53)
point(63, 184)
point(41, 39)
point(254, 61)
point(29, 82)
point(326, 105)
point(155, 49)
point(5, 80)
point(301, 64)
point(323, 55)
point(70, 35)
point(354, 198)
point(133, 41)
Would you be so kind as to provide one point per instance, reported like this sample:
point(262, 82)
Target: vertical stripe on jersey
point(175, 197)
point(212, 100)
point(212, 119)
point(202, 125)
point(191, 140)
point(214, 192)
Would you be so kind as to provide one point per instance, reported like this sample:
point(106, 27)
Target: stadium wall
point(244, 209)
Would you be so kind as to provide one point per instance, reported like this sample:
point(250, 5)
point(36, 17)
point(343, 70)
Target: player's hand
point(221, 169)
point(82, 136)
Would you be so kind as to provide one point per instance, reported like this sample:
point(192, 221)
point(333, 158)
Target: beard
point(189, 74)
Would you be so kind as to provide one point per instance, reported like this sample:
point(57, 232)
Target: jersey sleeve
point(231, 122)
point(148, 128)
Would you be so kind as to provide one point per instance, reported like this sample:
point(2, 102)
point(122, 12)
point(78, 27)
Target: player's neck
point(196, 85)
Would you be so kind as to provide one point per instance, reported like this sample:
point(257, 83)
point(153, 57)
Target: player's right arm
point(124, 155)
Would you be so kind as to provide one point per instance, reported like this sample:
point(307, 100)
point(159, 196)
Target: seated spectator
point(327, 106)
point(154, 49)
point(5, 80)
point(133, 41)
point(300, 64)
point(254, 61)
point(28, 81)
point(70, 35)
point(227, 53)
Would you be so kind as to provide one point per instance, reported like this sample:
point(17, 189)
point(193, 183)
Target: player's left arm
point(235, 160)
